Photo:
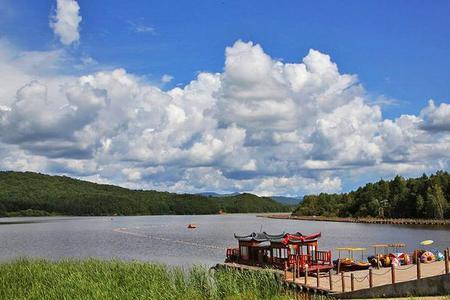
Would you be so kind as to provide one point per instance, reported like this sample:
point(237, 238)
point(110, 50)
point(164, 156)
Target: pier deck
point(380, 277)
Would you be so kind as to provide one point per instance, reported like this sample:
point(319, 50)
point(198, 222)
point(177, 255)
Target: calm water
point(166, 239)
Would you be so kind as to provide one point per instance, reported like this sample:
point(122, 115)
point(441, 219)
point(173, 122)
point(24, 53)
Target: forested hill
point(423, 197)
point(27, 193)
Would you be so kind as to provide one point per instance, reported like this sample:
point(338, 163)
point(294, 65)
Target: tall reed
point(97, 279)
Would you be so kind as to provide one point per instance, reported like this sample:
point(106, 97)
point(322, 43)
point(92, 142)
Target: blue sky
point(398, 49)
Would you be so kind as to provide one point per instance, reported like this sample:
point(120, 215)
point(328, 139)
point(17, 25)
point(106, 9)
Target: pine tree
point(420, 203)
point(441, 203)
point(436, 203)
point(399, 192)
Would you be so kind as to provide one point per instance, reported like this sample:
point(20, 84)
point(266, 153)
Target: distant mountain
point(287, 200)
point(280, 199)
point(213, 194)
point(28, 193)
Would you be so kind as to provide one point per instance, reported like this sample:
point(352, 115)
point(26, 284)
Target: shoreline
point(404, 221)
point(257, 214)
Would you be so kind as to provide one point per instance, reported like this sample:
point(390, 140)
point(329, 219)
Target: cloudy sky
point(225, 96)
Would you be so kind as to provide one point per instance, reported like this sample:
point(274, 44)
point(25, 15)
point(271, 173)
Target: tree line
point(28, 193)
point(425, 197)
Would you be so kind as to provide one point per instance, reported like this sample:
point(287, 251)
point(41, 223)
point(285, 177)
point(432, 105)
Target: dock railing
point(351, 281)
point(322, 257)
point(317, 257)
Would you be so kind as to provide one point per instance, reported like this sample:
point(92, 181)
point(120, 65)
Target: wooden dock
point(361, 279)
point(295, 285)
point(345, 282)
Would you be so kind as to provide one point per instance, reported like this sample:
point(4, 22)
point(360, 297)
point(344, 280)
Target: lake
point(166, 239)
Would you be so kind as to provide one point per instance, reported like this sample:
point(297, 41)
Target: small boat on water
point(192, 226)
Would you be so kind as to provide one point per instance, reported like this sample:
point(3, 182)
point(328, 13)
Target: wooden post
point(446, 260)
point(306, 274)
point(330, 278)
point(343, 281)
point(393, 274)
point(339, 266)
point(285, 270)
point(370, 278)
point(294, 272)
point(352, 282)
point(318, 278)
point(378, 260)
point(419, 275)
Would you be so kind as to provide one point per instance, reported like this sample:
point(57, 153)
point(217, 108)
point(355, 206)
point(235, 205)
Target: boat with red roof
point(291, 251)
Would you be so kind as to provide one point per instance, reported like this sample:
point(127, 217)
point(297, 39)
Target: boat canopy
point(397, 245)
point(259, 237)
point(284, 238)
point(380, 245)
point(358, 249)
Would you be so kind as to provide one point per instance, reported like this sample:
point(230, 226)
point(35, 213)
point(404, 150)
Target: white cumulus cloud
point(261, 125)
point(66, 21)
point(166, 78)
point(436, 117)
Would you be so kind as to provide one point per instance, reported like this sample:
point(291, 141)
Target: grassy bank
point(95, 279)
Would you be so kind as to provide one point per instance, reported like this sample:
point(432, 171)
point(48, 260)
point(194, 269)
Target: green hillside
point(27, 193)
point(426, 197)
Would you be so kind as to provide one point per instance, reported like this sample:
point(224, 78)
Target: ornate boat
point(281, 251)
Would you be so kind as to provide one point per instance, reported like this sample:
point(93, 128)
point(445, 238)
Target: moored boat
point(389, 254)
point(294, 252)
point(349, 263)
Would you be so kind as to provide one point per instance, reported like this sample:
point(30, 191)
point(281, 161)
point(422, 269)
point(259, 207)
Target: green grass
point(96, 279)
